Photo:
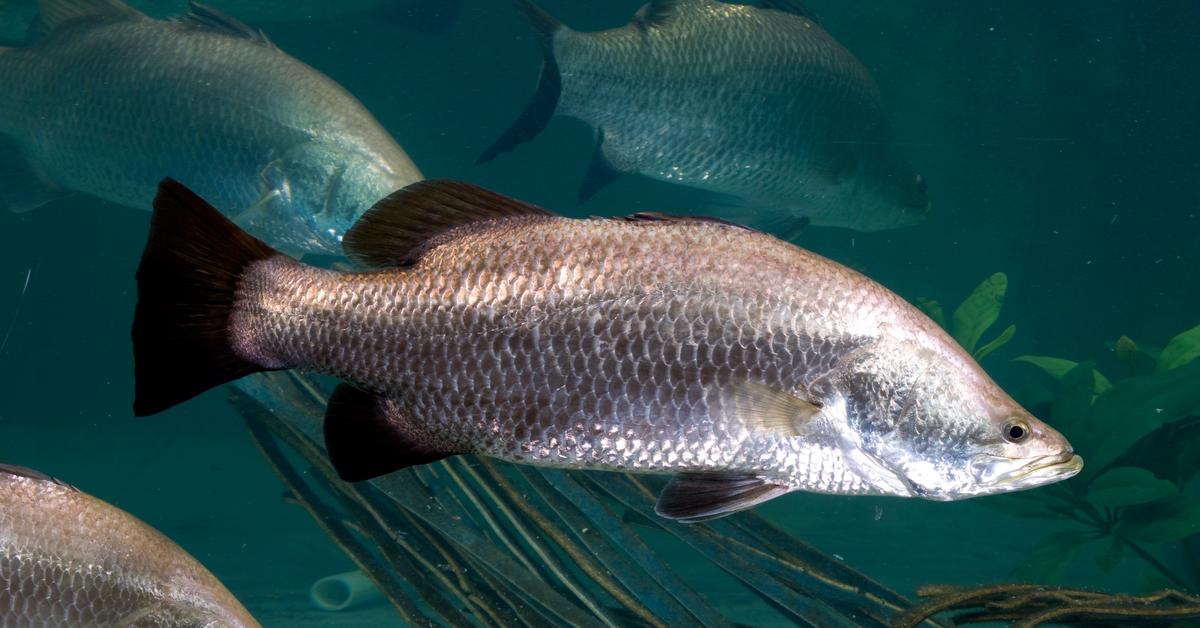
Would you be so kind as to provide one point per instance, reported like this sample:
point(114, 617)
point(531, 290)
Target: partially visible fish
point(109, 101)
point(742, 364)
point(759, 105)
point(69, 559)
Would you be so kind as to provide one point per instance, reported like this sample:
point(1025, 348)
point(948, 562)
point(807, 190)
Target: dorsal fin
point(786, 6)
point(658, 12)
point(399, 228)
point(202, 16)
point(55, 13)
point(33, 474)
point(661, 217)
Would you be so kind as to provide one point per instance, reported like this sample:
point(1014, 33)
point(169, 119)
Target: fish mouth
point(1039, 470)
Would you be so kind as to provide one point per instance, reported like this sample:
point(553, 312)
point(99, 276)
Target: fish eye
point(1016, 431)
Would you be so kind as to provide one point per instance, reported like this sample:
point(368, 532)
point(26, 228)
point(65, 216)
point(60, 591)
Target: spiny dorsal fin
point(661, 217)
point(661, 12)
point(787, 6)
point(364, 434)
point(691, 497)
point(201, 16)
point(33, 474)
point(769, 408)
point(55, 13)
point(399, 228)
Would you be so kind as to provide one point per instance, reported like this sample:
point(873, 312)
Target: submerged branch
point(1028, 605)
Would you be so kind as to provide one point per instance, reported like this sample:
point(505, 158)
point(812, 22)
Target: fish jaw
point(1002, 475)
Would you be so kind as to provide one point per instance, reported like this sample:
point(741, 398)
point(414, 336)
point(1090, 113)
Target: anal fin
point(691, 497)
point(600, 172)
point(365, 436)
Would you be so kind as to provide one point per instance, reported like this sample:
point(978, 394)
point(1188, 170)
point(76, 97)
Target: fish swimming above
point(69, 559)
point(108, 101)
point(741, 364)
point(754, 102)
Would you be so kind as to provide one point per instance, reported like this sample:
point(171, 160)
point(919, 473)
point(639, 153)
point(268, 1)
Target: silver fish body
point(760, 105)
point(110, 101)
point(650, 345)
point(69, 559)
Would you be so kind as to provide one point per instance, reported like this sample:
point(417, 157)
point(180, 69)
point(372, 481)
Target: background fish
point(109, 101)
point(758, 104)
point(69, 559)
point(744, 365)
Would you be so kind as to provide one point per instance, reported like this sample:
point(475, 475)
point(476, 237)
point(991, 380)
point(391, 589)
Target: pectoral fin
point(600, 171)
point(769, 408)
point(699, 496)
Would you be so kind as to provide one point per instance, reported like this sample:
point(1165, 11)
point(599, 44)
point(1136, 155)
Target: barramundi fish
point(759, 105)
point(744, 365)
point(69, 559)
point(108, 101)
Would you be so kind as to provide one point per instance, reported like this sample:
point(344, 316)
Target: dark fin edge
point(33, 474)
point(656, 13)
point(202, 16)
point(52, 14)
point(364, 442)
point(661, 217)
point(787, 6)
point(405, 224)
point(187, 285)
point(541, 107)
point(691, 497)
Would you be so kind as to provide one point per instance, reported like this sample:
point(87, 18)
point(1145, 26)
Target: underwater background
point(1060, 143)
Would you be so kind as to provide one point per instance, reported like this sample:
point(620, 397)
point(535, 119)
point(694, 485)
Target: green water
point(1059, 141)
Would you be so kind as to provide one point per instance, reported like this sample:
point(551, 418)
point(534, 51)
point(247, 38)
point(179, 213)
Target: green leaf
point(1172, 519)
point(1111, 556)
point(1127, 486)
point(980, 309)
point(1050, 557)
point(933, 310)
point(1058, 367)
point(1182, 349)
point(996, 343)
point(1073, 403)
point(1135, 407)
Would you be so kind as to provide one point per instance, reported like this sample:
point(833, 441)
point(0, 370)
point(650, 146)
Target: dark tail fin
point(545, 100)
point(186, 287)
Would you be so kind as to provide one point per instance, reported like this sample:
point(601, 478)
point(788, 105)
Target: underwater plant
point(974, 316)
point(1140, 438)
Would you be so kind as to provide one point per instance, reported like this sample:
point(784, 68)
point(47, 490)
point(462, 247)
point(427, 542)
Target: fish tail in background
point(187, 286)
point(545, 100)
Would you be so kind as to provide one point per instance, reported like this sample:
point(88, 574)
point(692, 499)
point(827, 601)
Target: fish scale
point(573, 361)
point(68, 559)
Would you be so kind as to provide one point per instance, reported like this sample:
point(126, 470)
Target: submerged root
point(1027, 605)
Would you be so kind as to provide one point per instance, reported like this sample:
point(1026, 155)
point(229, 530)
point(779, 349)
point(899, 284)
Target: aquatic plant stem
point(543, 552)
point(1154, 562)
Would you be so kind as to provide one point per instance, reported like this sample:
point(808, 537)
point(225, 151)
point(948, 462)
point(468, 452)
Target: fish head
point(931, 424)
point(874, 188)
point(318, 190)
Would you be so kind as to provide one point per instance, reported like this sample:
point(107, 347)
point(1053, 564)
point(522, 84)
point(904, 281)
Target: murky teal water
point(1060, 145)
